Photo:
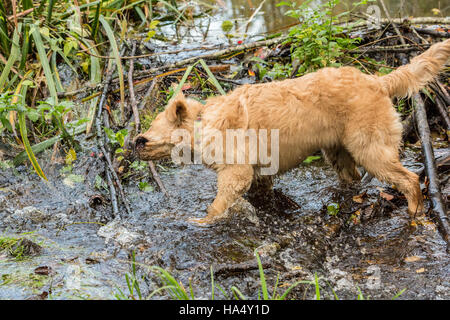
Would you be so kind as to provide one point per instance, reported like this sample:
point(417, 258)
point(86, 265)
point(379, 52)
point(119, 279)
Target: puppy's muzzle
point(139, 143)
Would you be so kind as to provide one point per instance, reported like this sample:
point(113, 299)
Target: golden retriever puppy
point(257, 131)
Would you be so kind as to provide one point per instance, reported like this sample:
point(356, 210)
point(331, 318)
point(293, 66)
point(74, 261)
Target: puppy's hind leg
point(232, 182)
point(343, 163)
point(261, 186)
point(383, 162)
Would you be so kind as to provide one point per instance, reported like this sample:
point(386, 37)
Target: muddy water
point(267, 17)
point(369, 245)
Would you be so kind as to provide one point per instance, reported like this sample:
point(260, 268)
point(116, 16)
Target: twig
point(137, 123)
point(214, 55)
point(408, 125)
point(418, 20)
point(440, 92)
point(147, 55)
point(432, 32)
point(101, 142)
point(116, 178)
point(392, 23)
point(438, 211)
point(402, 55)
point(419, 36)
point(21, 14)
point(157, 178)
point(225, 269)
point(100, 139)
point(112, 193)
point(397, 48)
point(442, 110)
point(247, 24)
point(147, 94)
point(443, 92)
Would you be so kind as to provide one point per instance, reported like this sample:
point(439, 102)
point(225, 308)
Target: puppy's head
point(157, 142)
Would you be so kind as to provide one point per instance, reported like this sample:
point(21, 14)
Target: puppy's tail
point(410, 78)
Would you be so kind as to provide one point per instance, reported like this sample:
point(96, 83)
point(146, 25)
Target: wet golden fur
point(342, 111)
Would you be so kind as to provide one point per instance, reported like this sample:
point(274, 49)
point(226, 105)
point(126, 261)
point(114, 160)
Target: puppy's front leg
point(232, 182)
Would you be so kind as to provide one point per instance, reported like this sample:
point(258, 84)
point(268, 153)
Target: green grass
point(177, 291)
point(13, 246)
point(63, 32)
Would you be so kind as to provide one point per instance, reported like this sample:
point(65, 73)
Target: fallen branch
point(225, 269)
point(394, 25)
point(137, 123)
point(442, 110)
point(408, 125)
point(102, 145)
point(147, 94)
point(438, 211)
point(101, 142)
point(432, 32)
point(443, 92)
point(418, 20)
point(21, 14)
point(157, 178)
point(398, 48)
point(441, 102)
point(214, 55)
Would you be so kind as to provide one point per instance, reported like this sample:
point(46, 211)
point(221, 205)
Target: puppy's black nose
point(140, 142)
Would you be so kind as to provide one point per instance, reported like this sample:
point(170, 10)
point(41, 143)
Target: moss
point(19, 247)
point(32, 281)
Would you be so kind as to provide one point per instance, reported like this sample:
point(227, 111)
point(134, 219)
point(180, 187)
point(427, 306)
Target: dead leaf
point(421, 270)
point(91, 261)
point(412, 259)
point(44, 270)
point(42, 296)
point(221, 3)
point(186, 86)
point(359, 198)
point(386, 196)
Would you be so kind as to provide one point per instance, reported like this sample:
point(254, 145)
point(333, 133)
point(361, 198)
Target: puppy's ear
point(177, 110)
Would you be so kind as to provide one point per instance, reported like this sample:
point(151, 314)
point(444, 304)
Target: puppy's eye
point(154, 139)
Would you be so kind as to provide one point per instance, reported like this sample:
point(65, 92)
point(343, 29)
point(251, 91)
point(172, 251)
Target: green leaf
point(73, 179)
point(153, 24)
point(100, 183)
point(316, 281)
point(144, 186)
point(333, 209)
point(227, 25)
point(212, 78)
point(311, 159)
point(33, 115)
point(26, 143)
point(262, 277)
point(112, 40)
point(35, 32)
point(14, 55)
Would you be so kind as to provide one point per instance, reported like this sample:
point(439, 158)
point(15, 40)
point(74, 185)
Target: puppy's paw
point(202, 222)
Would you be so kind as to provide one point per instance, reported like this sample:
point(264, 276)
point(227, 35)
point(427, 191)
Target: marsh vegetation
point(81, 217)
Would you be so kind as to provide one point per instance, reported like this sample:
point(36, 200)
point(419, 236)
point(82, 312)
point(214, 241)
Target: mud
point(369, 246)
